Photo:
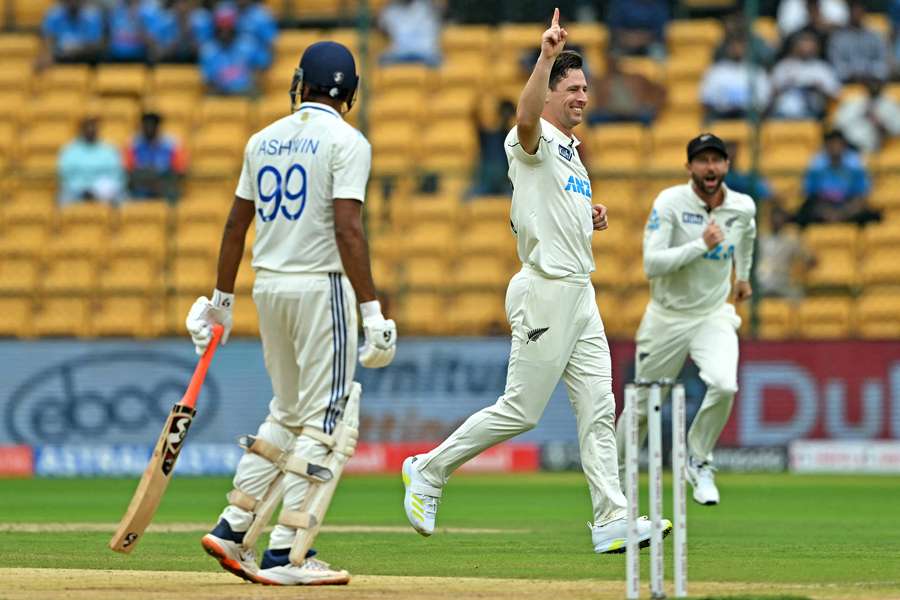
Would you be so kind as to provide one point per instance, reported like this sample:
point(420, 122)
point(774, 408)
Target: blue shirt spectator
point(155, 162)
point(836, 185)
point(129, 24)
point(414, 29)
point(894, 15)
point(90, 169)
point(179, 31)
point(255, 19)
point(230, 62)
point(73, 32)
point(638, 27)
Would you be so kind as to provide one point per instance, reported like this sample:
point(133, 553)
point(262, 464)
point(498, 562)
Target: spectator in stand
point(856, 52)
point(90, 169)
point(836, 186)
point(733, 86)
point(155, 162)
point(867, 121)
point(414, 30)
point(819, 15)
point(638, 27)
point(493, 165)
point(180, 31)
point(129, 24)
point(894, 16)
point(72, 32)
point(803, 82)
point(734, 27)
point(256, 20)
point(230, 62)
point(624, 97)
point(745, 182)
point(778, 253)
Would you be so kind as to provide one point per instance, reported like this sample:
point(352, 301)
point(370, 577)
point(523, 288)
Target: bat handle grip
point(193, 390)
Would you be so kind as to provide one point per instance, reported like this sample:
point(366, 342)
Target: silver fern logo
point(535, 334)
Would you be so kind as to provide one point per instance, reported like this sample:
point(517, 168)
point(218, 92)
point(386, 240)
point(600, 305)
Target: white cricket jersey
point(685, 275)
point(293, 170)
point(551, 204)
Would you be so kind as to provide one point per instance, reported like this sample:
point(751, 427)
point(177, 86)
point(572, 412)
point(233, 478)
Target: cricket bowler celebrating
point(303, 183)
point(694, 234)
point(556, 327)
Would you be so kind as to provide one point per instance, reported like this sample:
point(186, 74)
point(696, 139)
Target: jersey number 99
point(282, 192)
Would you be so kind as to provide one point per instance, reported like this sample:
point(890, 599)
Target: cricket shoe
point(312, 572)
point(702, 476)
point(612, 537)
point(420, 500)
point(225, 545)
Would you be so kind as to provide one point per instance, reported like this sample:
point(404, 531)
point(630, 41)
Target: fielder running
point(303, 183)
point(695, 232)
point(556, 327)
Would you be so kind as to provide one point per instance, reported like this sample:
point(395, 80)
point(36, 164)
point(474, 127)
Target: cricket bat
point(156, 477)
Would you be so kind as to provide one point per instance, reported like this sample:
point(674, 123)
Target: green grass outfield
point(784, 529)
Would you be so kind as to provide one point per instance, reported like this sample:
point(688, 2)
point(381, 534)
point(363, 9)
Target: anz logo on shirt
point(581, 186)
point(720, 252)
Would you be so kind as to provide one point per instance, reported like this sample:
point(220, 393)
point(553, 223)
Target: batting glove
point(380, 337)
point(204, 314)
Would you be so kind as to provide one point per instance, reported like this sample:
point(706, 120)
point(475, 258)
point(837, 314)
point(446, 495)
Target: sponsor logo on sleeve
point(565, 152)
point(691, 218)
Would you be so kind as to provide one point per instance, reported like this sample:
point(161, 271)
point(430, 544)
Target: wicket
point(632, 469)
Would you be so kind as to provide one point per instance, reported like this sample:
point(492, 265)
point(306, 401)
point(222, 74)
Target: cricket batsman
point(303, 184)
point(695, 234)
point(557, 331)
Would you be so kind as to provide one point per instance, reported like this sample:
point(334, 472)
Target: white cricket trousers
point(664, 340)
point(308, 328)
point(556, 333)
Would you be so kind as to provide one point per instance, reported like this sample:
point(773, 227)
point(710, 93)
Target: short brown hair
point(565, 62)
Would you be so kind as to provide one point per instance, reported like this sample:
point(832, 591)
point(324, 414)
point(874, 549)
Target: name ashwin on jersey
point(296, 146)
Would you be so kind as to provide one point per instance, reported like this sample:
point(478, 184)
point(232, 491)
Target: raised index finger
point(555, 21)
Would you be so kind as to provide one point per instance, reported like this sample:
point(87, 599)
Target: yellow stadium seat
point(489, 238)
point(693, 35)
point(395, 77)
point(54, 107)
point(630, 136)
point(835, 267)
point(776, 319)
point(467, 38)
point(317, 9)
point(79, 240)
point(192, 275)
point(15, 75)
point(144, 213)
point(384, 272)
point(634, 276)
point(487, 209)
point(26, 240)
point(216, 166)
point(46, 139)
point(631, 310)
point(13, 102)
point(18, 276)
point(832, 236)
point(484, 273)
point(74, 78)
point(211, 211)
point(512, 39)
point(397, 105)
point(119, 109)
point(29, 14)
point(426, 273)
point(19, 46)
point(198, 239)
point(449, 144)
point(478, 313)
point(132, 274)
point(439, 208)
point(878, 316)
point(388, 245)
point(737, 131)
point(423, 313)
point(452, 104)
point(642, 65)
point(669, 161)
point(785, 158)
point(67, 316)
point(881, 268)
point(182, 78)
point(16, 316)
point(28, 213)
point(246, 318)
point(121, 80)
point(430, 239)
point(225, 111)
point(776, 134)
point(126, 316)
point(271, 108)
point(608, 305)
point(825, 318)
point(92, 214)
point(686, 69)
point(222, 139)
point(884, 235)
point(886, 194)
point(176, 106)
point(673, 134)
point(615, 160)
point(767, 29)
point(591, 36)
point(290, 43)
point(70, 276)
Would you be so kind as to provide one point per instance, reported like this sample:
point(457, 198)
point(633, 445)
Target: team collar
point(317, 106)
point(574, 140)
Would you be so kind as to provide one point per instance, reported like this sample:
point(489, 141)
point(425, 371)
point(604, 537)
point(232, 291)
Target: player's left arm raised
point(743, 260)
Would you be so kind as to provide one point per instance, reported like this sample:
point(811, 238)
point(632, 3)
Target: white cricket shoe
point(421, 499)
point(702, 476)
point(612, 537)
point(312, 572)
point(232, 556)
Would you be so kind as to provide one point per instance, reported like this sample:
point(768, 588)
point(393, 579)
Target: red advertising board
point(805, 390)
point(16, 461)
point(388, 458)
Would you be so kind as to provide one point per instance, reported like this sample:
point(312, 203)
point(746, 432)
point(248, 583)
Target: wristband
point(370, 309)
point(222, 300)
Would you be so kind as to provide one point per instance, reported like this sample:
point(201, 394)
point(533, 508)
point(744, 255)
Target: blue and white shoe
point(225, 545)
point(702, 476)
